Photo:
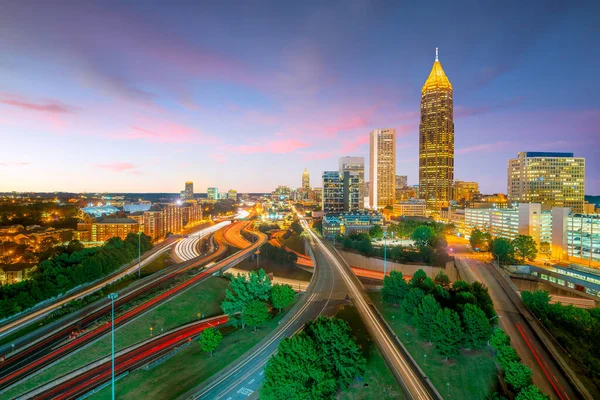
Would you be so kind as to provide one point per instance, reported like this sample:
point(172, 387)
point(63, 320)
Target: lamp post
point(139, 254)
point(384, 254)
point(112, 297)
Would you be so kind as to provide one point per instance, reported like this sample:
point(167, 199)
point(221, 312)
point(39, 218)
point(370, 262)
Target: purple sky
point(140, 96)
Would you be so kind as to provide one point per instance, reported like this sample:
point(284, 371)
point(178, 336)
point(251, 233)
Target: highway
point(547, 375)
point(326, 292)
point(187, 248)
point(206, 273)
point(127, 360)
point(37, 314)
point(233, 235)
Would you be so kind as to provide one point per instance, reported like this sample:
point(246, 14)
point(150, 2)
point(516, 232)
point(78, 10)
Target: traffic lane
point(546, 373)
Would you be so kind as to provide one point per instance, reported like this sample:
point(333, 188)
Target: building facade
point(551, 179)
point(382, 168)
point(350, 223)
point(305, 180)
point(436, 139)
point(410, 208)
point(107, 228)
point(356, 165)
point(189, 191)
point(401, 181)
point(212, 193)
point(465, 192)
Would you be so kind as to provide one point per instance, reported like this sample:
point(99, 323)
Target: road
point(233, 235)
point(125, 361)
point(55, 344)
point(547, 375)
point(187, 248)
point(242, 379)
point(35, 315)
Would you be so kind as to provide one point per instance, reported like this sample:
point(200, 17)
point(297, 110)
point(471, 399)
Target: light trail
point(187, 248)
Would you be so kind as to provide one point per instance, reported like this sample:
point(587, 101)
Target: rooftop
point(437, 78)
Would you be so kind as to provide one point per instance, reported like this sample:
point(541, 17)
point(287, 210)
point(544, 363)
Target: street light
point(112, 297)
point(384, 254)
point(139, 254)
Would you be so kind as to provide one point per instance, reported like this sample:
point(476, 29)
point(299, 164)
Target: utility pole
point(112, 297)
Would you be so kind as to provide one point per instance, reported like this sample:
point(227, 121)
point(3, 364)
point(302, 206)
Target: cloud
point(484, 147)
point(118, 166)
point(275, 147)
point(169, 132)
point(14, 163)
point(52, 107)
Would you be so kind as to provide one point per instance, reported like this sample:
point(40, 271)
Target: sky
point(141, 96)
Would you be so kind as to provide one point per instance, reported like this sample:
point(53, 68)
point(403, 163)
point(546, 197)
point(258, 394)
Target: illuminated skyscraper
point(355, 165)
point(189, 190)
point(382, 171)
point(212, 193)
point(305, 180)
point(436, 139)
point(552, 179)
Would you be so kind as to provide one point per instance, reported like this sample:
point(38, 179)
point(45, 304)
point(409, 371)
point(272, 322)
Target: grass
point(295, 242)
point(471, 374)
point(287, 271)
point(205, 298)
point(189, 368)
point(377, 382)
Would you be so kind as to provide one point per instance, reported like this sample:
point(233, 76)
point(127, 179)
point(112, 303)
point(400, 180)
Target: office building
point(436, 139)
point(496, 200)
point(153, 223)
point(409, 208)
point(552, 179)
point(340, 191)
point(189, 191)
point(212, 193)
point(401, 181)
point(406, 193)
point(232, 194)
point(172, 218)
point(356, 165)
point(382, 168)
point(350, 223)
point(191, 214)
point(465, 192)
point(305, 180)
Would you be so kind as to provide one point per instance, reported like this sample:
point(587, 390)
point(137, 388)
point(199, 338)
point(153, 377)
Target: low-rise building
point(409, 208)
point(350, 223)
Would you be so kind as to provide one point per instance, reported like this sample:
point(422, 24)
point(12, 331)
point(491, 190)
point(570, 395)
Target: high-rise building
point(465, 192)
point(232, 194)
point(340, 191)
point(212, 193)
point(305, 180)
point(552, 179)
point(401, 181)
point(356, 165)
point(436, 139)
point(382, 173)
point(189, 190)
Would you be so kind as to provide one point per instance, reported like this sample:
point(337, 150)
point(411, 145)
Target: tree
point(447, 333)
point(538, 302)
point(477, 326)
point(297, 371)
point(209, 340)
point(532, 392)
point(425, 316)
point(506, 355)
point(517, 375)
point(341, 354)
point(418, 279)
point(412, 300)
point(442, 280)
point(545, 249)
point(476, 239)
point(525, 247)
point(296, 227)
point(282, 296)
point(376, 232)
point(423, 235)
point(347, 243)
point(242, 290)
point(499, 339)
point(365, 246)
point(255, 313)
point(394, 288)
point(259, 285)
point(502, 249)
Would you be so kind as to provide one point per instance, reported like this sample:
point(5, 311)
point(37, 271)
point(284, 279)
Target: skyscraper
point(212, 193)
point(356, 165)
point(305, 180)
point(436, 139)
point(401, 181)
point(340, 191)
point(382, 171)
point(552, 179)
point(189, 190)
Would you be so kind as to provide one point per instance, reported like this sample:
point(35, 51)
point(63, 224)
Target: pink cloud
point(48, 106)
point(166, 133)
point(118, 166)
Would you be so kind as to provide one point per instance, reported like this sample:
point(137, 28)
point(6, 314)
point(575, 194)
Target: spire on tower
point(436, 55)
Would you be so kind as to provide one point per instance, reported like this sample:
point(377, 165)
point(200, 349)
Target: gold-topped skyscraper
point(436, 139)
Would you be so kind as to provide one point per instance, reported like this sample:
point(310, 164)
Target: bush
point(506, 355)
point(517, 375)
point(499, 339)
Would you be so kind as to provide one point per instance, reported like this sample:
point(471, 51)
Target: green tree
point(499, 339)
point(538, 302)
point(477, 326)
point(502, 249)
point(425, 315)
point(242, 290)
point(517, 375)
point(506, 355)
point(376, 232)
point(282, 296)
point(442, 280)
point(255, 314)
point(394, 288)
point(209, 340)
point(412, 300)
point(525, 247)
point(341, 354)
point(532, 392)
point(259, 285)
point(347, 243)
point(296, 227)
point(365, 246)
point(545, 249)
point(476, 239)
point(447, 333)
point(418, 279)
point(423, 235)
point(297, 371)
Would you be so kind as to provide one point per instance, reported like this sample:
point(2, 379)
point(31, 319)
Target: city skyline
point(142, 97)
